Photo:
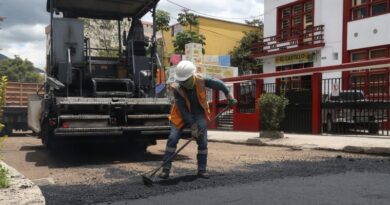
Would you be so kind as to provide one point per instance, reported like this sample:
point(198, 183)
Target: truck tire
point(329, 124)
point(6, 131)
point(47, 136)
point(373, 129)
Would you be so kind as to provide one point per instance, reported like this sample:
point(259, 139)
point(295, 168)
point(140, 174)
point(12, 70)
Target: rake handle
point(185, 145)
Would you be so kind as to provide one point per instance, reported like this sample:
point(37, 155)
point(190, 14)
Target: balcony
point(274, 45)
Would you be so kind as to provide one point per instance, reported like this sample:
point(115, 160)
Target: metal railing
point(355, 106)
point(280, 43)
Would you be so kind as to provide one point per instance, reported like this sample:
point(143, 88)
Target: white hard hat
point(184, 70)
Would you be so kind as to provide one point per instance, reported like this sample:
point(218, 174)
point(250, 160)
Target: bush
point(272, 109)
point(3, 177)
point(3, 171)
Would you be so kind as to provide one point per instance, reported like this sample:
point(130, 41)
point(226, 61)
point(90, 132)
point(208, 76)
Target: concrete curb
point(383, 151)
point(21, 190)
point(368, 150)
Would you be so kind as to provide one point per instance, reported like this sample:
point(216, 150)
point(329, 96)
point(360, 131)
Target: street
point(240, 174)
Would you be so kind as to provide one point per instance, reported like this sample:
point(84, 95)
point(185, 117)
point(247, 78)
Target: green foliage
point(272, 110)
point(19, 70)
point(4, 183)
point(3, 171)
point(162, 24)
point(185, 37)
point(162, 20)
point(255, 22)
point(241, 55)
point(3, 90)
point(187, 18)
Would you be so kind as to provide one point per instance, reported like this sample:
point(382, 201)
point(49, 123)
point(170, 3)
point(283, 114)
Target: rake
point(148, 180)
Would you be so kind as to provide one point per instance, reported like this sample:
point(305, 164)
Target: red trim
point(367, 6)
point(245, 121)
point(300, 48)
point(347, 14)
point(345, 83)
point(259, 90)
point(316, 86)
point(309, 71)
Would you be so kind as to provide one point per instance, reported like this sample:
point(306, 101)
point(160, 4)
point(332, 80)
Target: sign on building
point(335, 90)
point(220, 72)
point(193, 53)
point(294, 59)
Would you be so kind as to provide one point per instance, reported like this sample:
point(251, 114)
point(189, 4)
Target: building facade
point(317, 33)
point(221, 36)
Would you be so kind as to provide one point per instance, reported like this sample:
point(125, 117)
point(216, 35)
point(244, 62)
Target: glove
point(232, 102)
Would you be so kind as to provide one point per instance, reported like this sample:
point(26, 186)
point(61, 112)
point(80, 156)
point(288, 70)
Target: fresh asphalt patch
point(185, 180)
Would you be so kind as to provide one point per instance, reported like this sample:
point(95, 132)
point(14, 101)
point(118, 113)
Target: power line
point(212, 16)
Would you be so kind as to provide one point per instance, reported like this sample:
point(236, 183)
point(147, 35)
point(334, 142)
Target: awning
point(103, 9)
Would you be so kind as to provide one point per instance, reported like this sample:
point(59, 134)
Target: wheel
point(329, 124)
point(133, 146)
point(47, 136)
point(6, 131)
point(373, 129)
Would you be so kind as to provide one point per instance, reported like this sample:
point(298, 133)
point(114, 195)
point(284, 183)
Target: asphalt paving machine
point(92, 97)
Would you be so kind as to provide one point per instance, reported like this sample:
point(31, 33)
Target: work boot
point(203, 174)
point(164, 174)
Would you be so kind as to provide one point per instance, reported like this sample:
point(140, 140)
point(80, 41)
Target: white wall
point(270, 15)
point(364, 29)
point(330, 14)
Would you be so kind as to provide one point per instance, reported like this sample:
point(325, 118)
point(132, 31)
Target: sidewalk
point(378, 145)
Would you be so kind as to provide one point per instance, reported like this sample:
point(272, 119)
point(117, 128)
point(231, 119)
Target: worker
point(190, 109)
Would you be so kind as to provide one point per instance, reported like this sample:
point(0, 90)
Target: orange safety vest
point(175, 116)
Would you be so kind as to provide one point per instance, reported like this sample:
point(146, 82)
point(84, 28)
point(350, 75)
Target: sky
point(23, 31)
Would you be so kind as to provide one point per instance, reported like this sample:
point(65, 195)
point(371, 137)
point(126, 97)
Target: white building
point(317, 33)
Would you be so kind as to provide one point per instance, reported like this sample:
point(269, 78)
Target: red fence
point(250, 121)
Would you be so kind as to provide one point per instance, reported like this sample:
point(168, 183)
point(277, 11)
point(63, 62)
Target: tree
point(187, 18)
point(162, 24)
point(19, 70)
point(255, 22)
point(185, 37)
point(241, 55)
point(190, 36)
point(162, 20)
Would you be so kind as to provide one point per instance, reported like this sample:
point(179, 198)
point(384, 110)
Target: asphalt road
point(345, 188)
point(108, 173)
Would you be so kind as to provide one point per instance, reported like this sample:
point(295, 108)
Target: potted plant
point(272, 112)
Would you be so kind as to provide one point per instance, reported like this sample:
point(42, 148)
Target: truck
point(352, 109)
point(14, 116)
point(93, 97)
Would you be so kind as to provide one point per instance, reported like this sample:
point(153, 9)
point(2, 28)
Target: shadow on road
point(177, 180)
point(72, 155)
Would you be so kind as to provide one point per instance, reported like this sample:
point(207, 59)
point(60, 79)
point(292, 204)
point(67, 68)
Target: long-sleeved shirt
point(196, 108)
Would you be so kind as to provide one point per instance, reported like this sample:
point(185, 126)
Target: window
point(370, 53)
point(379, 8)
point(379, 53)
point(293, 83)
point(295, 19)
point(366, 8)
point(358, 56)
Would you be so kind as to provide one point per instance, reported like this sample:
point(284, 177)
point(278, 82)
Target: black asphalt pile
point(184, 179)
